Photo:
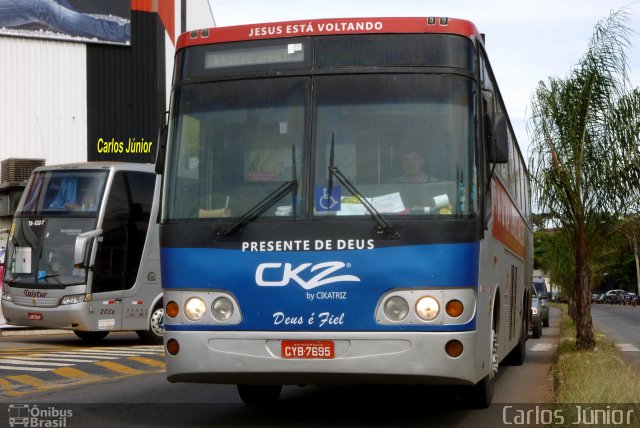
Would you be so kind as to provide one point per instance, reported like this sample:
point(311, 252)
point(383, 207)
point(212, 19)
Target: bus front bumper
point(75, 316)
point(363, 358)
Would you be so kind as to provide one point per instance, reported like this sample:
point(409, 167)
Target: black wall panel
point(126, 93)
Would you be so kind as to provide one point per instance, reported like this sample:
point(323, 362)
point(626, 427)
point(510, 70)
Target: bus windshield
point(43, 249)
point(57, 206)
point(405, 141)
point(63, 192)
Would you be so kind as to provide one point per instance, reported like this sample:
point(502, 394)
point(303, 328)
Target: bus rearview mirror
point(82, 247)
point(162, 143)
point(498, 150)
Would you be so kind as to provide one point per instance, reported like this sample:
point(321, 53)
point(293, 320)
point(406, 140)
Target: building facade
point(75, 99)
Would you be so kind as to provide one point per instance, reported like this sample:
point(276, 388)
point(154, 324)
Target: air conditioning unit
point(18, 170)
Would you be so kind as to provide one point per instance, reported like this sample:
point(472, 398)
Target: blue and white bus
point(344, 201)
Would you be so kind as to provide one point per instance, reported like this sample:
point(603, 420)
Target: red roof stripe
point(316, 27)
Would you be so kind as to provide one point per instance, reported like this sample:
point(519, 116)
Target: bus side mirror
point(498, 140)
point(162, 143)
point(81, 251)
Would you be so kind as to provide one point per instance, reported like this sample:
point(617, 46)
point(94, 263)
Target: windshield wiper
point(36, 280)
point(55, 278)
point(270, 200)
point(334, 171)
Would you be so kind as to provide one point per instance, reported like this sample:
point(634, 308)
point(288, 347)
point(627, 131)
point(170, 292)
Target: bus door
point(108, 279)
point(141, 284)
point(119, 249)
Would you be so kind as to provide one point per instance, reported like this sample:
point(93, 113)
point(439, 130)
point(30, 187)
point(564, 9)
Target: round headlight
point(396, 308)
point(427, 308)
point(222, 309)
point(194, 309)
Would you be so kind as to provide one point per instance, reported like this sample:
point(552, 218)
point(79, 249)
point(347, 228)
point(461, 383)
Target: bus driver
point(412, 163)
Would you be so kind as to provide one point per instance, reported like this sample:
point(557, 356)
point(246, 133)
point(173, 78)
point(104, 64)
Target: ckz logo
point(290, 274)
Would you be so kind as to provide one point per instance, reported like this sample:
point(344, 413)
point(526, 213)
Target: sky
point(527, 41)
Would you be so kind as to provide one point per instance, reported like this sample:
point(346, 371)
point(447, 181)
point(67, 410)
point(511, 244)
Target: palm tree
point(585, 157)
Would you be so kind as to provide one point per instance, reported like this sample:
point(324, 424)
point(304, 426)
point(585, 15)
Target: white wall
point(43, 92)
point(43, 100)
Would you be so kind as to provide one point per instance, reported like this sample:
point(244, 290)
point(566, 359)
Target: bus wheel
point(91, 336)
point(156, 327)
point(259, 395)
point(481, 394)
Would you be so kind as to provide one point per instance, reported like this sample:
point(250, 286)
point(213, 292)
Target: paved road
point(38, 363)
point(143, 397)
point(620, 324)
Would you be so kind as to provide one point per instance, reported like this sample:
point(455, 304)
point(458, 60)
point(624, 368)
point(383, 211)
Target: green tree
point(585, 161)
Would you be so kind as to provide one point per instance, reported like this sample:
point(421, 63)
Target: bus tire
point(481, 394)
point(259, 395)
point(537, 330)
point(91, 336)
point(154, 334)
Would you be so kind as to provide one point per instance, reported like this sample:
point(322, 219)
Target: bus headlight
point(7, 296)
point(71, 299)
point(427, 308)
point(222, 309)
point(396, 308)
point(194, 309)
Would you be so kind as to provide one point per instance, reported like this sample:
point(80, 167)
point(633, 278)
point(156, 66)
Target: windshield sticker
point(71, 232)
point(22, 261)
point(328, 202)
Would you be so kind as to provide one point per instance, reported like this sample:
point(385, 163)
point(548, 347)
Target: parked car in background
point(542, 293)
point(631, 299)
point(596, 296)
point(614, 297)
point(536, 311)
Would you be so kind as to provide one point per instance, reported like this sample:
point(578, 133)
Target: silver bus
point(83, 251)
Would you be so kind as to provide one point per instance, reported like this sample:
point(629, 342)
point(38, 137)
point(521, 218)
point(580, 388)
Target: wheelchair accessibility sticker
point(328, 202)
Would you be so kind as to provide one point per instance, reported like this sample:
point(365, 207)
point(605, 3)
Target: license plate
point(307, 349)
point(36, 316)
